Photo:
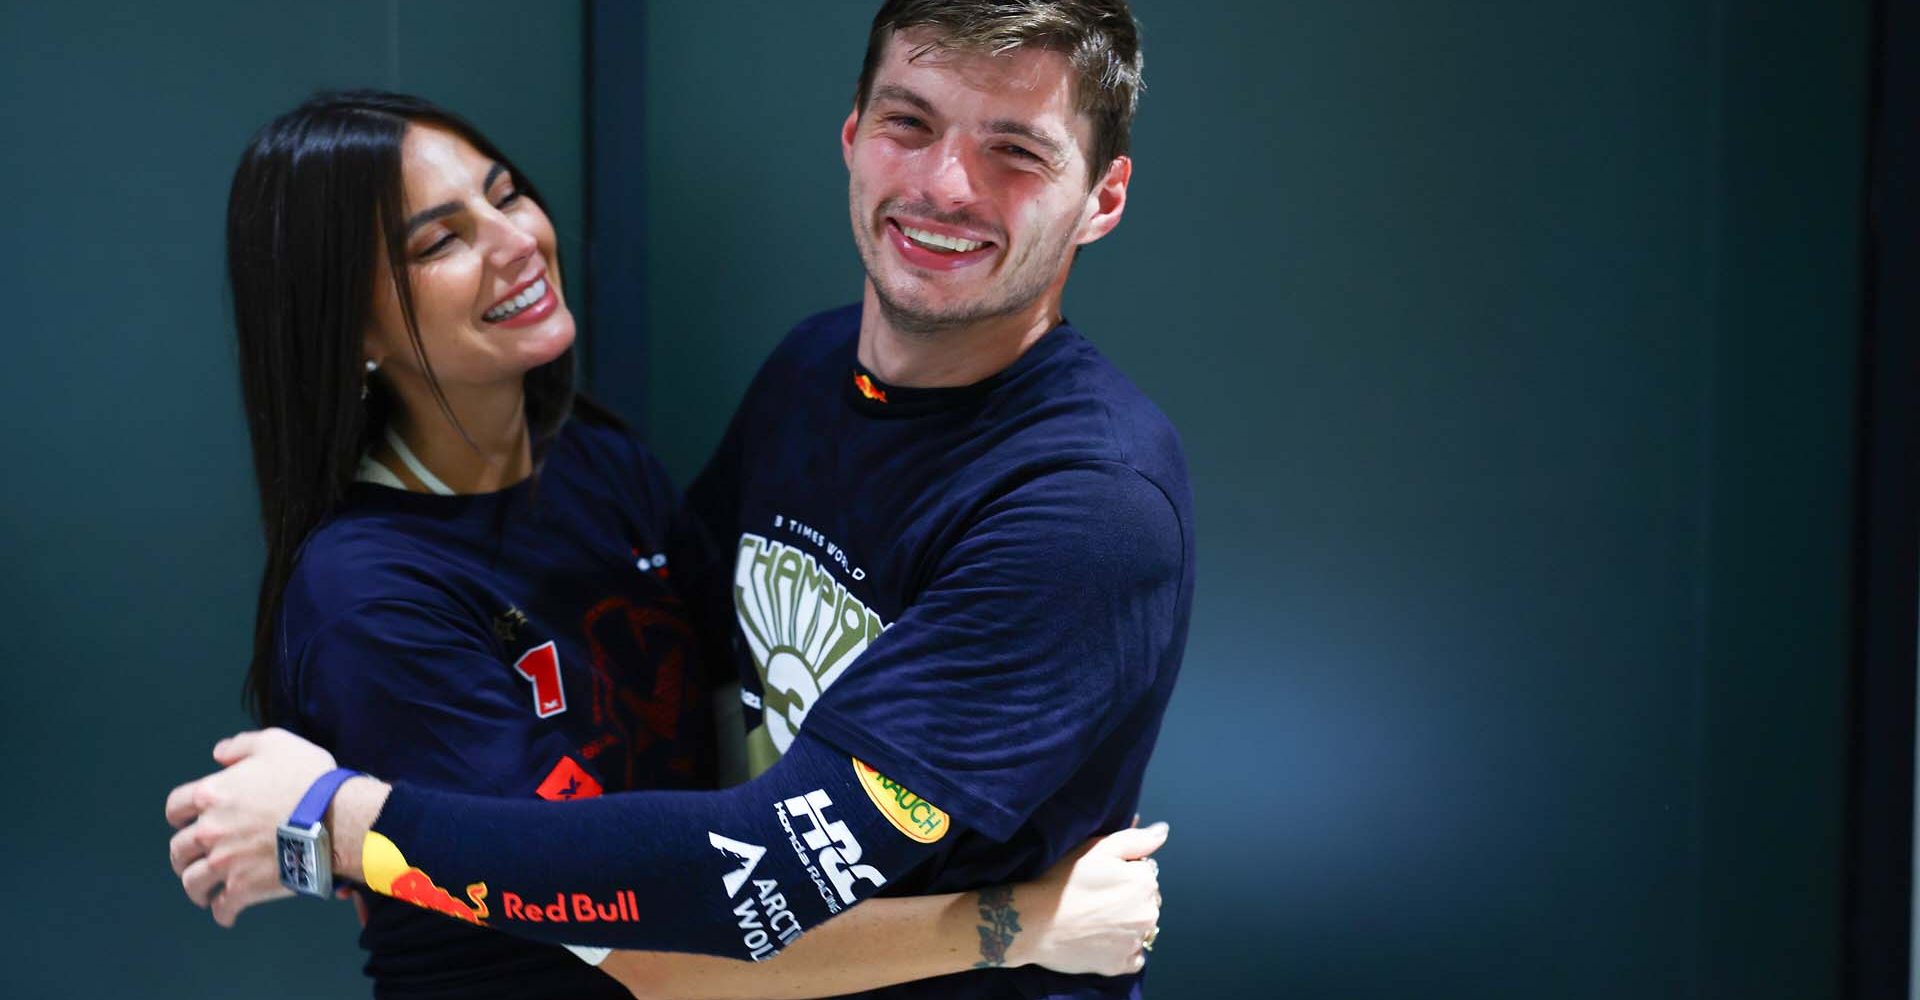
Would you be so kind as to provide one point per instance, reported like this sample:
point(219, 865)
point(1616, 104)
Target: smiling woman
point(325, 292)
point(426, 614)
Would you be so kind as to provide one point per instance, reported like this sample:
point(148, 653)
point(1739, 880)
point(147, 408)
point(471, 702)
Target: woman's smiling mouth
point(515, 305)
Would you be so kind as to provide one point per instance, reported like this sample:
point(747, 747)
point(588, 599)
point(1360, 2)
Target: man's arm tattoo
point(1000, 922)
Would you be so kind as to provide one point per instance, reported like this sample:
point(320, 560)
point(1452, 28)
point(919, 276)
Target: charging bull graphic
point(868, 389)
point(389, 874)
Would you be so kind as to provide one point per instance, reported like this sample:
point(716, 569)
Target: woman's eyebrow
point(439, 211)
point(445, 209)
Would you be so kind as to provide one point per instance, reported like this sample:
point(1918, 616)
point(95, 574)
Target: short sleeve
point(406, 690)
point(1041, 628)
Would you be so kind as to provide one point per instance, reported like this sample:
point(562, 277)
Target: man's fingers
point(242, 893)
point(236, 747)
point(226, 909)
point(200, 880)
point(181, 807)
point(1134, 844)
point(185, 848)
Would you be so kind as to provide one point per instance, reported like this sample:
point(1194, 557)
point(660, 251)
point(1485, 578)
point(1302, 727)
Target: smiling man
point(958, 560)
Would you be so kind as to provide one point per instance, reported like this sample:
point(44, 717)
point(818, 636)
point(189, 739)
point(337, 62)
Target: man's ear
point(1107, 200)
point(846, 136)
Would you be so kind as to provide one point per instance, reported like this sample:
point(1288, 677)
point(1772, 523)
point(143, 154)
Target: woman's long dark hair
point(317, 193)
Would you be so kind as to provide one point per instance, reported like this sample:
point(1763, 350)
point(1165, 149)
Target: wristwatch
point(306, 852)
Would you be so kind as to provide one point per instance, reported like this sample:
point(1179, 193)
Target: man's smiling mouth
point(935, 241)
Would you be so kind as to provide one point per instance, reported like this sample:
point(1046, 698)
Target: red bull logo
point(389, 874)
point(868, 389)
point(572, 908)
point(413, 886)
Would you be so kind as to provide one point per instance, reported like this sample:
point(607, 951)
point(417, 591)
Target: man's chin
point(913, 314)
point(919, 321)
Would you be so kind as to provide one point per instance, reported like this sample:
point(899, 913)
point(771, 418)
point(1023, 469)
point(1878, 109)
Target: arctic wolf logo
point(748, 854)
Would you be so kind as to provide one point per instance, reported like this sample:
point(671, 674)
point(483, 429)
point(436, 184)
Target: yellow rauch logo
point(909, 813)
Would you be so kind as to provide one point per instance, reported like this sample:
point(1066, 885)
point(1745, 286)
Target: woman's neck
point(495, 452)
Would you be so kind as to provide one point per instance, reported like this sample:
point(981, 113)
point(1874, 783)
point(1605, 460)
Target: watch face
point(304, 864)
point(296, 863)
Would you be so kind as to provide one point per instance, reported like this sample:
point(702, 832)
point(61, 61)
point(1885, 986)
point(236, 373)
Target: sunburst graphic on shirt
point(804, 629)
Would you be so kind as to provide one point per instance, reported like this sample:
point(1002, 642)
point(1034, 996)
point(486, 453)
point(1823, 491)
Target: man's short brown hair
point(1099, 38)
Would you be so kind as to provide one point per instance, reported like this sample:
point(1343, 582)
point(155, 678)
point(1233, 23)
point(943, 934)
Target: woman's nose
point(512, 244)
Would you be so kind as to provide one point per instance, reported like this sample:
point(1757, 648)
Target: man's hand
point(1093, 910)
point(225, 850)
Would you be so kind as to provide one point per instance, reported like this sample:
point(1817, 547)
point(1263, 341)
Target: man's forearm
point(355, 808)
point(740, 872)
point(881, 943)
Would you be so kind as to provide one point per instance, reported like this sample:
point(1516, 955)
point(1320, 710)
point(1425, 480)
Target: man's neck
point(495, 452)
point(950, 357)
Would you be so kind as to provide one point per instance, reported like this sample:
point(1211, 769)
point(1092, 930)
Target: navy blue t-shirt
point(519, 643)
point(982, 592)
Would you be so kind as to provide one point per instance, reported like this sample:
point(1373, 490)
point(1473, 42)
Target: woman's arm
point(1088, 913)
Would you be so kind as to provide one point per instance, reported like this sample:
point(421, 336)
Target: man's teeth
point(938, 241)
point(505, 310)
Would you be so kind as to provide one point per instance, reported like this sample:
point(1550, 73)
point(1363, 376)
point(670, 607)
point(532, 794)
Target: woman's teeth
point(939, 242)
point(506, 310)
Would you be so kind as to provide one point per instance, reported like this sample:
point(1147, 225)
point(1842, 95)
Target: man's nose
point(950, 179)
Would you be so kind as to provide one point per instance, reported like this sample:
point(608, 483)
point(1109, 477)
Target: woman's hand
point(224, 852)
point(1095, 909)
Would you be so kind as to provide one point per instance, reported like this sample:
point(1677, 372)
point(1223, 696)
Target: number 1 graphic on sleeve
point(541, 666)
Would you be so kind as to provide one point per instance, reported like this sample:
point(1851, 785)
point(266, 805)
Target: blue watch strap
point(313, 805)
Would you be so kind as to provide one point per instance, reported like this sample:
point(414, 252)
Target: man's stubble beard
point(917, 320)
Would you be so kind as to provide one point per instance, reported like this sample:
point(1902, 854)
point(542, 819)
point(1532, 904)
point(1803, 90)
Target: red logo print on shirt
point(541, 667)
point(568, 780)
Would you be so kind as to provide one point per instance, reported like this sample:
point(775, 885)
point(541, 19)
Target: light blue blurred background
point(1513, 347)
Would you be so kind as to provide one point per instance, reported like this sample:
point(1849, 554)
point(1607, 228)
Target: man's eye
point(1022, 153)
point(905, 121)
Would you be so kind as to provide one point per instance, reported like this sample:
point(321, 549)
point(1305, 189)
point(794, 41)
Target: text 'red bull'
point(572, 907)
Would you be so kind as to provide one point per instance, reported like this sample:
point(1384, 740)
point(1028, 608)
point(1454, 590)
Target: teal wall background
point(1512, 344)
point(1513, 347)
point(127, 524)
